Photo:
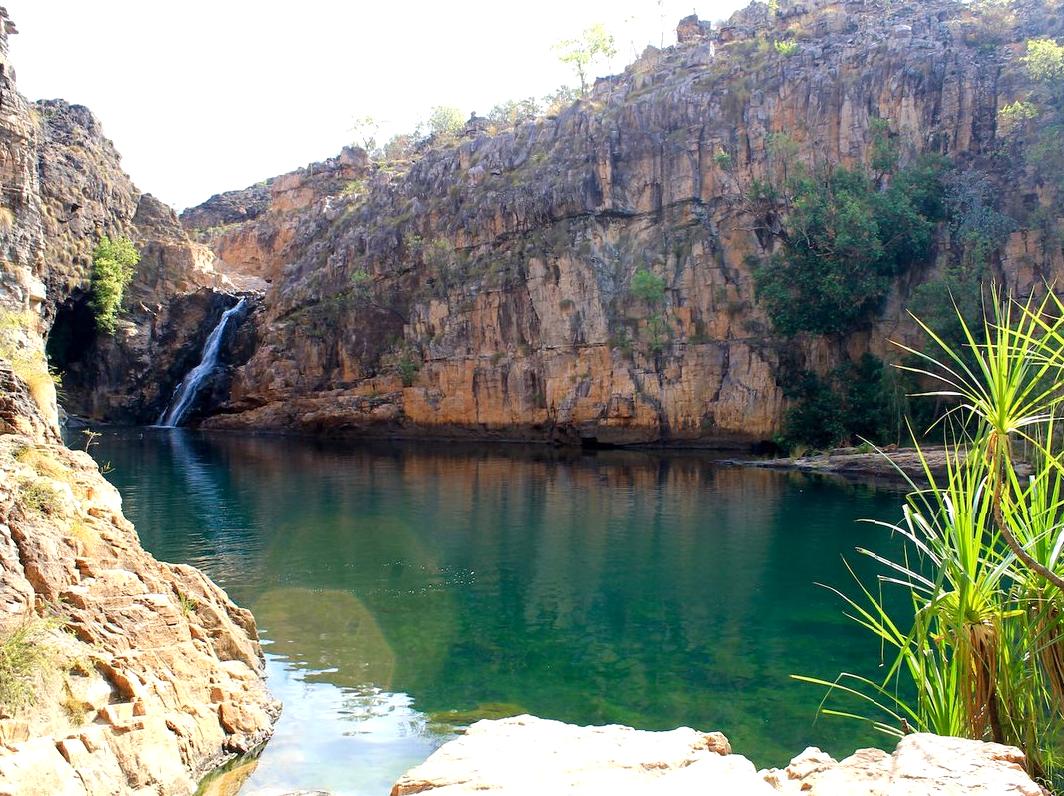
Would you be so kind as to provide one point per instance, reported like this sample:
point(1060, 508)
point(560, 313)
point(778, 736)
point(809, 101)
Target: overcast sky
point(202, 96)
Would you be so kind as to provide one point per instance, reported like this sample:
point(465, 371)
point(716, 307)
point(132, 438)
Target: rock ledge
point(528, 755)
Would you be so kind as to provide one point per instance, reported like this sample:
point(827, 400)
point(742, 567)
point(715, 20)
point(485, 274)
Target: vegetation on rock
point(978, 648)
point(113, 264)
point(594, 45)
point(24, 655)
point(843, 239)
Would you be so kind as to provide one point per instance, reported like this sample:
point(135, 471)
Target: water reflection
point(404, 589)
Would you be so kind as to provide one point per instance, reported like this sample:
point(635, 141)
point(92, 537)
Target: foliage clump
point(843, 240)
point(974, 642)
point(855, 401)
point(114, 262)
point(650, 288)
point(1034, 123)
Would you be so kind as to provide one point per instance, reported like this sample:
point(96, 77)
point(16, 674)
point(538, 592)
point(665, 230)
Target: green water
point(400, 589)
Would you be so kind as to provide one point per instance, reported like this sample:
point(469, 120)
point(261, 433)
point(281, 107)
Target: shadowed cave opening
point(72, 334)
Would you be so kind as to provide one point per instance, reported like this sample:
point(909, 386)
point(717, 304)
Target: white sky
point(202, 96)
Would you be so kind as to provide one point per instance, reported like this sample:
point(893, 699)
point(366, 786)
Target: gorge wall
point(484, 287)
point(118, 673)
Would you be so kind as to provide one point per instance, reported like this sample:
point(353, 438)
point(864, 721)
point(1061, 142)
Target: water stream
point(188, 389)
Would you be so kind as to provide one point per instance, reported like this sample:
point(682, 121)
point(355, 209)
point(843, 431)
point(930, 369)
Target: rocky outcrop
point(921, 765)
point(147, 675)
point(483, 287)
point(172, 303)
point(119, 674)
point(527, 755)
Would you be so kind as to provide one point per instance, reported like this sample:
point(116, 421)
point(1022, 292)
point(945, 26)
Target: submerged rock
point(528, 755)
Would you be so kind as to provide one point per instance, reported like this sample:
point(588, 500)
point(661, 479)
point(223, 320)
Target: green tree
point(1044, 60)
point(514, 112)
point(648, 287)
point(364, 130)
point(113, 264)
point(843, 241)
point(594, 45)
point(444, 122)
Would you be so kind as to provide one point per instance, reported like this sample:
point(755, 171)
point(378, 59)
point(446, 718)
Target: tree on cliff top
point(593, 46)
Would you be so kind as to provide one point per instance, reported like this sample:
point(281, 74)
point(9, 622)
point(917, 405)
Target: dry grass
point(27, 361)
point(24, 659)
point(38, 496)
point(42, 462)
point(73, 708)
point(83, 532)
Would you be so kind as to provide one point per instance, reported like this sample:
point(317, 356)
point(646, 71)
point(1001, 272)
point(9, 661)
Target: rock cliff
point(118, 673)
point(483, 286)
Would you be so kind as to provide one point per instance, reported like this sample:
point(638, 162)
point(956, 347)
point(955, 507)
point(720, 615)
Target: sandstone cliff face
point(137, 676)
point(174, 300)
point(484, 288)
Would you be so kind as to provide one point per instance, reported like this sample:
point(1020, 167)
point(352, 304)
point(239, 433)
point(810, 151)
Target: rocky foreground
point(527, 755)
point(118, 673)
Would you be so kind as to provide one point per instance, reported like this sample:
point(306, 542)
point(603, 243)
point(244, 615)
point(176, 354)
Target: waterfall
point(189, 387)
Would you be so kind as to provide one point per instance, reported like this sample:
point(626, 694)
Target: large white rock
point(922, 765)
point(527, 755)
point(524, 755)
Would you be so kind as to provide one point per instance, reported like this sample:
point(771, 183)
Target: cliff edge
point(118, 673)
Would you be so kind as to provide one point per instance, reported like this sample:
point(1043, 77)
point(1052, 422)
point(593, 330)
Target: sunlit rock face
point(141, 676)
point(71, 192)
point(484, 287)
point(524, 755)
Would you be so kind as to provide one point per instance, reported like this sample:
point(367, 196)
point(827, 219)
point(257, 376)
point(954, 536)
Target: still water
point(404, 590)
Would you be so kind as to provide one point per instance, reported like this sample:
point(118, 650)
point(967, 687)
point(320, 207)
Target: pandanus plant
point(979, 649)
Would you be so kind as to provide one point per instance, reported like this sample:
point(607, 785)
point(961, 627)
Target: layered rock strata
point(482, 286)
point(527, 755)
point(120, 674)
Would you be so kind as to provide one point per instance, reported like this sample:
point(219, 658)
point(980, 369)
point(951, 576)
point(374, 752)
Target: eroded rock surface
point(528, 755)
point(921, 765)
point(482, 287)
point(134, 676)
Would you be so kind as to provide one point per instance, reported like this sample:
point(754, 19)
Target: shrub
point(855, 401)
point(408, 370)
point(38, 496)
point(978, 649)
point(786, 48)
point(723, 159)
point(1015, 116)
point(648, 286)
point(843, 241)
point(1044, 60)
point(970, 202)
point(113, 264)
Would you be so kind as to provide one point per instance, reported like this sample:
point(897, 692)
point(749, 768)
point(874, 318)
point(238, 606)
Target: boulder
point(528, 755)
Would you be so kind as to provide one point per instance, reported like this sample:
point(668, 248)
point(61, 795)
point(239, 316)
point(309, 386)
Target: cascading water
point(186, 391)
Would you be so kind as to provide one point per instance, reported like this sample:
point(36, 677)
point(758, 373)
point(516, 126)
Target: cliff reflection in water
point(616, 587)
